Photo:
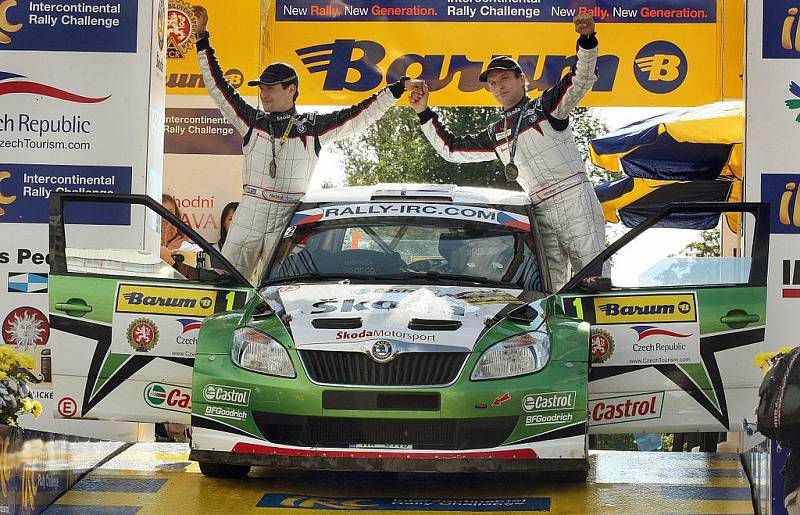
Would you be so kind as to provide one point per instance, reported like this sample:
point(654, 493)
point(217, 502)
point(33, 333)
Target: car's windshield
point(494, 248)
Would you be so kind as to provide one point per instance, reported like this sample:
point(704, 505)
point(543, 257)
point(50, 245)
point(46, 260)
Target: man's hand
point(418, 98)
point(414, 85)
point(202, 18)
point(584, 24)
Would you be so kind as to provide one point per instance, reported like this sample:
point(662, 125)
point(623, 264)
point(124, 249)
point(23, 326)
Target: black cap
point(275, 73)
point(501, 62)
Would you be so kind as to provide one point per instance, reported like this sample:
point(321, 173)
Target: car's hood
point(350, 316)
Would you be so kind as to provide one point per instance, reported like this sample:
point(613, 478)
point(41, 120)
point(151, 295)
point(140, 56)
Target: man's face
point(507, 88)
point(275, 98)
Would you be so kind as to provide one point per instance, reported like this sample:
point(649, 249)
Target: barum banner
point(660, 53)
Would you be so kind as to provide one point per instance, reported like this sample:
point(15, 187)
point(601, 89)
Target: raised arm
point(350, 121)
point(456, 149)
point(237, 111)
point(559, 100)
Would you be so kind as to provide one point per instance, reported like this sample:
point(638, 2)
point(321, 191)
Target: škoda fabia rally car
point(397, 328)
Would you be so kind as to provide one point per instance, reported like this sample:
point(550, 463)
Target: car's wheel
point(223, 470)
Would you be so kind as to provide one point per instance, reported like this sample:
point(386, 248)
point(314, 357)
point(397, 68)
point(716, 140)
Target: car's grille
point(408, 369)
point(428, 433)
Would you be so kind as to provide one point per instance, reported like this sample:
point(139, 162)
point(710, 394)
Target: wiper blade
point(312, 276)
point(438, 276)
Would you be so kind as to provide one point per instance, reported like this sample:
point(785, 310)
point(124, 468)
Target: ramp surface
point(159, 479)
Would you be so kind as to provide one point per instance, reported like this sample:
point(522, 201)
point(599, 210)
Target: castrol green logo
point(549, 401)
point(226, 394)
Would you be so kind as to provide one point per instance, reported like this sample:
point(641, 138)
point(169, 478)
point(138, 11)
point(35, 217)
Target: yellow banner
point(162, 300)
point(635, 309)
point(234, 36)
point(665, 57)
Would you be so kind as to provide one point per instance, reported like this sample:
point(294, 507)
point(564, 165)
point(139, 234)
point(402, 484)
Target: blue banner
point(26, 188)
point(781, 30)
point(69, 25)
point(780, 190)
point(510, 504)
point(605, 11)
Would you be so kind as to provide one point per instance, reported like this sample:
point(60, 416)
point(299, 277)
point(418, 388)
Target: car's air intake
point(407, 369)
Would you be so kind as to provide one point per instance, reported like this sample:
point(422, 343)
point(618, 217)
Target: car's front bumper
point(241, 450)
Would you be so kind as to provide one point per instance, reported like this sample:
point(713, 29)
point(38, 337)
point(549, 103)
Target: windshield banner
point(372, 210)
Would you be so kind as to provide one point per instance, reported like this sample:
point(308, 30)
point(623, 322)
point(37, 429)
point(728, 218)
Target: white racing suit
point(267, 202)
point(551, 170)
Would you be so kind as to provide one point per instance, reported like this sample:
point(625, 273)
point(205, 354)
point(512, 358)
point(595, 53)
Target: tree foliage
point(395, 150)
point(707, 246)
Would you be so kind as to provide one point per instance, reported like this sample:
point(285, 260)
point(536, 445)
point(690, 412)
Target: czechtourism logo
point(660, 67)
point(647, 330)
point(794, 103)
point(6, 27)
point(12, 83)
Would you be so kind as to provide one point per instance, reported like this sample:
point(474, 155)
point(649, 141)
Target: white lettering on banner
point(626, 409)
point(480, 214)
point(549, 418)
point(381, 333)
point(549, 401)
point(225, 412)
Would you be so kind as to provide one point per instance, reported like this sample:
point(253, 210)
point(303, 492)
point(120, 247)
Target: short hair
point(527, 83)
point(296, 84)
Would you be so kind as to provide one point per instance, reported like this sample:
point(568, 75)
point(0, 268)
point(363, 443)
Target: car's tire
point(223, 470)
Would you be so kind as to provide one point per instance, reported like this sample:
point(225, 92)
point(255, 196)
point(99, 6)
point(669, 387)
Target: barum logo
point(139, 298)
point(337, 60)
point(660, 67)
point(645, 308)
point(226, 395)
point(169, 397)
point(549, 401)
point(195, 80)
point(6, 27)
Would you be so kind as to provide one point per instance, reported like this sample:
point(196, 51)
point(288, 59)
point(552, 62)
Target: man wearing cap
point(281, 146)
point(534, 141)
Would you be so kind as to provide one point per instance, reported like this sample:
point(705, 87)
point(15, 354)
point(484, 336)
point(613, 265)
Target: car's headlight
point(518, 355)
point(258, 352)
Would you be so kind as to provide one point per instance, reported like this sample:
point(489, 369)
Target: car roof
point(400, 192)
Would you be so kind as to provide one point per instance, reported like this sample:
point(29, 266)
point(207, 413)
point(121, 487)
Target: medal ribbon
point(283, 138)
point(512, 147)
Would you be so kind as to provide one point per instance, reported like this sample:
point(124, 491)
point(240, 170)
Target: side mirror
point(595, 284)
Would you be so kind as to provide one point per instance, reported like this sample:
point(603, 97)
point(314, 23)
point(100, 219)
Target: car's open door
point(124, 322)
point(673, 348)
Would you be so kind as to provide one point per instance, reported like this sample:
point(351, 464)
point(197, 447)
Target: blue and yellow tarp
point(631, 200)
point(700, 143)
